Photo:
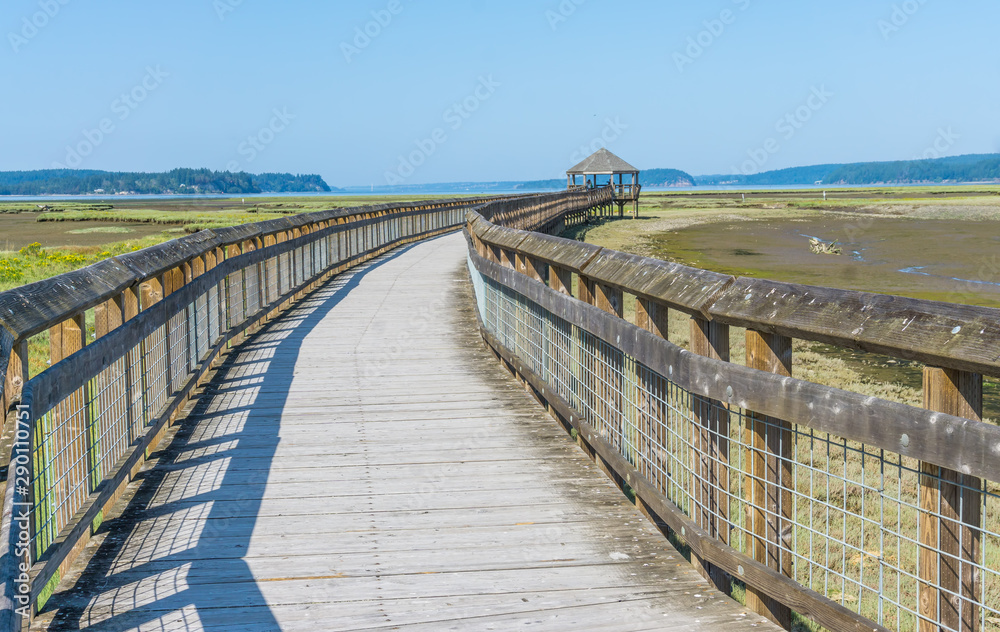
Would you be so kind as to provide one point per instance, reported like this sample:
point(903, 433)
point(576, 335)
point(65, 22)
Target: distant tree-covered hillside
point(973, 168)
point(556, 184)
point(967, 168)
point(780, 177)
point(178, 181)
point(288, 183)
point(666, 178)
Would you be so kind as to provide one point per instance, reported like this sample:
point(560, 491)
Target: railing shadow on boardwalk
point(218, 516)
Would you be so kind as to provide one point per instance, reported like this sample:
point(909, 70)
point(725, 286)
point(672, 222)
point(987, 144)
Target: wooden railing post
point(65, 339)
point(651, 398)
point(561, 280)
point(108, 316)
point(609, 388)
point(609, 299)
point(585, 376)
point(710, 440)
point(507, 259)
point(585, 290)
point(16, 376)
point(951, 516)
point(151, 293)
point(532, 268)
point(769, 479)
point(652, 317)
point(236, 294)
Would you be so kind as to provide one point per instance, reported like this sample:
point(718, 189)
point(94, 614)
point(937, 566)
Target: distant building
point(98, 190)
point(604, 164)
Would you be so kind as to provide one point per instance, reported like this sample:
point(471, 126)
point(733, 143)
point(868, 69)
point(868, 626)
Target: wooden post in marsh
point(769, 478)
point(654, 318)
point(710, 440)
point(951, 516)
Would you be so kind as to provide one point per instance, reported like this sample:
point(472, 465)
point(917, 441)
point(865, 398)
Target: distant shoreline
point(485, 191)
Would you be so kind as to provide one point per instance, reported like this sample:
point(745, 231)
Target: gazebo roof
point(602, 163)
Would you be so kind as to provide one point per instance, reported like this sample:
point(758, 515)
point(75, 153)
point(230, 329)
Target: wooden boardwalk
point(363, 463)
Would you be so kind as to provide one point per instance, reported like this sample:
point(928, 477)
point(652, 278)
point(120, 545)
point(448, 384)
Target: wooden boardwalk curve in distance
point(363, 463)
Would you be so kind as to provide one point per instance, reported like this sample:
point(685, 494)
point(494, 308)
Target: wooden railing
point(129, 340)
point(856, 512)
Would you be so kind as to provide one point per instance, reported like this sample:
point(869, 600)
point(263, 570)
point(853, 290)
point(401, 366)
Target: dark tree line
point(959, 169)
point(178, 181)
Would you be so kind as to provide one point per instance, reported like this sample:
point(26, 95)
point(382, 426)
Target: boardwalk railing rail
point(856, 512)
point(131, 338)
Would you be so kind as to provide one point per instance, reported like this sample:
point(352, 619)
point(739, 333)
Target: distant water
point(108, 199)
point(920, 270)
point(808, 187)
point(450, 192)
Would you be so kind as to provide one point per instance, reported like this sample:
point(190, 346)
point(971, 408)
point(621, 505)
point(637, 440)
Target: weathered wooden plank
point(8, 372)
point(940, 334)
point(683, 288)
point(565, 253)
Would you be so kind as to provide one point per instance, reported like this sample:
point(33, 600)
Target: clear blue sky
point(552, 78)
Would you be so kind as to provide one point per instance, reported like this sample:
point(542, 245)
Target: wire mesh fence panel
point(157, 368)
point(840, 517)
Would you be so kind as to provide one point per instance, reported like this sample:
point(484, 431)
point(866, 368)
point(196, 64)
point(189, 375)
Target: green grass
point(36, 263)
point(191, 220)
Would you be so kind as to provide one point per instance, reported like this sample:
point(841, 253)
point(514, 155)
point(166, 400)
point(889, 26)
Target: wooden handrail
point(961, 337)
point(945, 440)
point(31, 309)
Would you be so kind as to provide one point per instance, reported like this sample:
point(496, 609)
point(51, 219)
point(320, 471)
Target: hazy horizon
point(372, 92)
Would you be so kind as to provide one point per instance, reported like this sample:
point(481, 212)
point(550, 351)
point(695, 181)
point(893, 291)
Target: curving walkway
point(364, 463)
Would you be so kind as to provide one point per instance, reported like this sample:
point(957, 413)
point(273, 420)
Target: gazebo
point(604, 163)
